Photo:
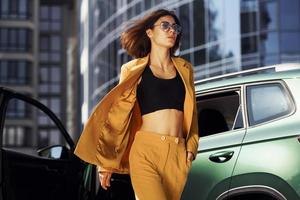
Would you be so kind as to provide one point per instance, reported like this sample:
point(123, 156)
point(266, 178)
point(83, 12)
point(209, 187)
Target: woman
point(147, 125)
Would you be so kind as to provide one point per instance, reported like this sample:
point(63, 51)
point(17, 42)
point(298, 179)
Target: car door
point(37, 160)
point(268, 165)
point(221, 130)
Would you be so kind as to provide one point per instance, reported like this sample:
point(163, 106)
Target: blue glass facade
point(219, 36)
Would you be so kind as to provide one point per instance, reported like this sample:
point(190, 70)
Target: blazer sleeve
point(193, 140)
point(124, 73)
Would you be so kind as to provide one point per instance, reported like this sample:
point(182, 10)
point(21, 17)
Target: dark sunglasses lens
point(165, 26)
point(177, 28)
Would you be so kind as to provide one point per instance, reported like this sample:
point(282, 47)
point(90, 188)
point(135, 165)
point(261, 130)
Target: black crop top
point(155, 93)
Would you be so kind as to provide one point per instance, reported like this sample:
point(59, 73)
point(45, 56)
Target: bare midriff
point(165, 122)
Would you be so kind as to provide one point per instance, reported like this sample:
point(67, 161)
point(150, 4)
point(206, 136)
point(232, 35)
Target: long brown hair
point(135, 40)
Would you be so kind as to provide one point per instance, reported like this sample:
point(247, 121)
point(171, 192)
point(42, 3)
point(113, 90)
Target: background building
point(219, 36)
point(38, 46)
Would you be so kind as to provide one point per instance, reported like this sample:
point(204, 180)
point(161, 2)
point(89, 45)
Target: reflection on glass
point(43, 88)
point(290, 41)
point(55, 105)
point(268, 15)
point(290, 15)
point(44, 56)
point(214, 53)
point(55, 152)
point(55, 26)
point(4, 37)
point(44, 12)
point(20, 134)
point(248, 22)
point(249, 45)
point(269, 42)
point(22, 70)
point(44, 74)
point(4, 7)
point(55, 75)
point(199, 23)
point(215, 16)
point(199, 57)
point(55, 13)
point(55, 43)
point(185, 22)
point(55, 88)
point(231, 31)
point(43, 138)
point(22, 38)
point(270, 59)
point(44, 26)
point(55, 57)
point(44, 43)
point(23, 6)
point(13, 36)
point(54, 137)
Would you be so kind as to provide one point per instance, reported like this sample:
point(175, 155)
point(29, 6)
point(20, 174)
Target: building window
point(50, 80)
point(50, 18)
point(17, 136)
point(50, 48)
point(54, 104)
point(290, 15)
point(15, 40)
point(49, 136)
point(290, 42)
point(15, 72)
point(18, 110)
point(267, 102)
point(16, 9)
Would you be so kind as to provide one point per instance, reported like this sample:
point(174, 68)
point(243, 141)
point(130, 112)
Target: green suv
point(249, 136)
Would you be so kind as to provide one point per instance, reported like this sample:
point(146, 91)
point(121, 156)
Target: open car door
point(37, 160)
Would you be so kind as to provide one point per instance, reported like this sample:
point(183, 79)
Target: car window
point(219, 112)
point(267, 102)
point(27, 128)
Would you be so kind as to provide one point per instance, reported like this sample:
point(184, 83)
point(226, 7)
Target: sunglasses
point(165, 26)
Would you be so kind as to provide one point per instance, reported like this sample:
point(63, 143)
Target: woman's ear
point(149, 33)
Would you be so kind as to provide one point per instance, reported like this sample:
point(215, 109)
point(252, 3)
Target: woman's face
point(163, 34)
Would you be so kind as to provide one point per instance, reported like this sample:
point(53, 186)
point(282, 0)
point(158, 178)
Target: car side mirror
point(54, 152)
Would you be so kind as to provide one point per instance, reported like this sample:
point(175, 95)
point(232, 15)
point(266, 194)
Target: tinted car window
point(267, 102)
point(27, 128)
point(219, 112)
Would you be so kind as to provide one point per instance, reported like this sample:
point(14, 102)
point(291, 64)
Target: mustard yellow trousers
point(158, 166)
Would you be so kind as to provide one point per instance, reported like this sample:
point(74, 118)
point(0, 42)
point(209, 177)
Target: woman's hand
point(104, 178)
point(190, 156)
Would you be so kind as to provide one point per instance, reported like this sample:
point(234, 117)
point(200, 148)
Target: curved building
point(219, 37)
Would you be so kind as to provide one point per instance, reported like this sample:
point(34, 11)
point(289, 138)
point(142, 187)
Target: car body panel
point(271, 150)
point(205, 175)
point(266, 155)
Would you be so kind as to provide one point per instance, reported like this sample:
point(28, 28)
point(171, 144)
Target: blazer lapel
point(136, 71)
point(184, 72)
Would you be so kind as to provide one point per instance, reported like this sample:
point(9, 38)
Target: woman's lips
point(173, 38)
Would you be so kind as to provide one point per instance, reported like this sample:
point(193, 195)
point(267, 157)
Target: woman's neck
point(161, 59)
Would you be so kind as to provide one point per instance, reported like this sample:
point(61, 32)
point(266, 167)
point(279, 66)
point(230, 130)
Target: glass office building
point(34, 39)
point(219, 37)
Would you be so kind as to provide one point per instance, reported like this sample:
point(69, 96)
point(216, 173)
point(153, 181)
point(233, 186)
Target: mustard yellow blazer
point(110, 129)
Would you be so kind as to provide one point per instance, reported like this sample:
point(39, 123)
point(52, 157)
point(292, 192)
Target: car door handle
point(221, 157)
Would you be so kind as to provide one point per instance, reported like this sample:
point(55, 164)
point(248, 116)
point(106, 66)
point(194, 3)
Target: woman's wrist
point(192, 154)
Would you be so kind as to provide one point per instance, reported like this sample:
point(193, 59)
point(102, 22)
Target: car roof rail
point(266, 69)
